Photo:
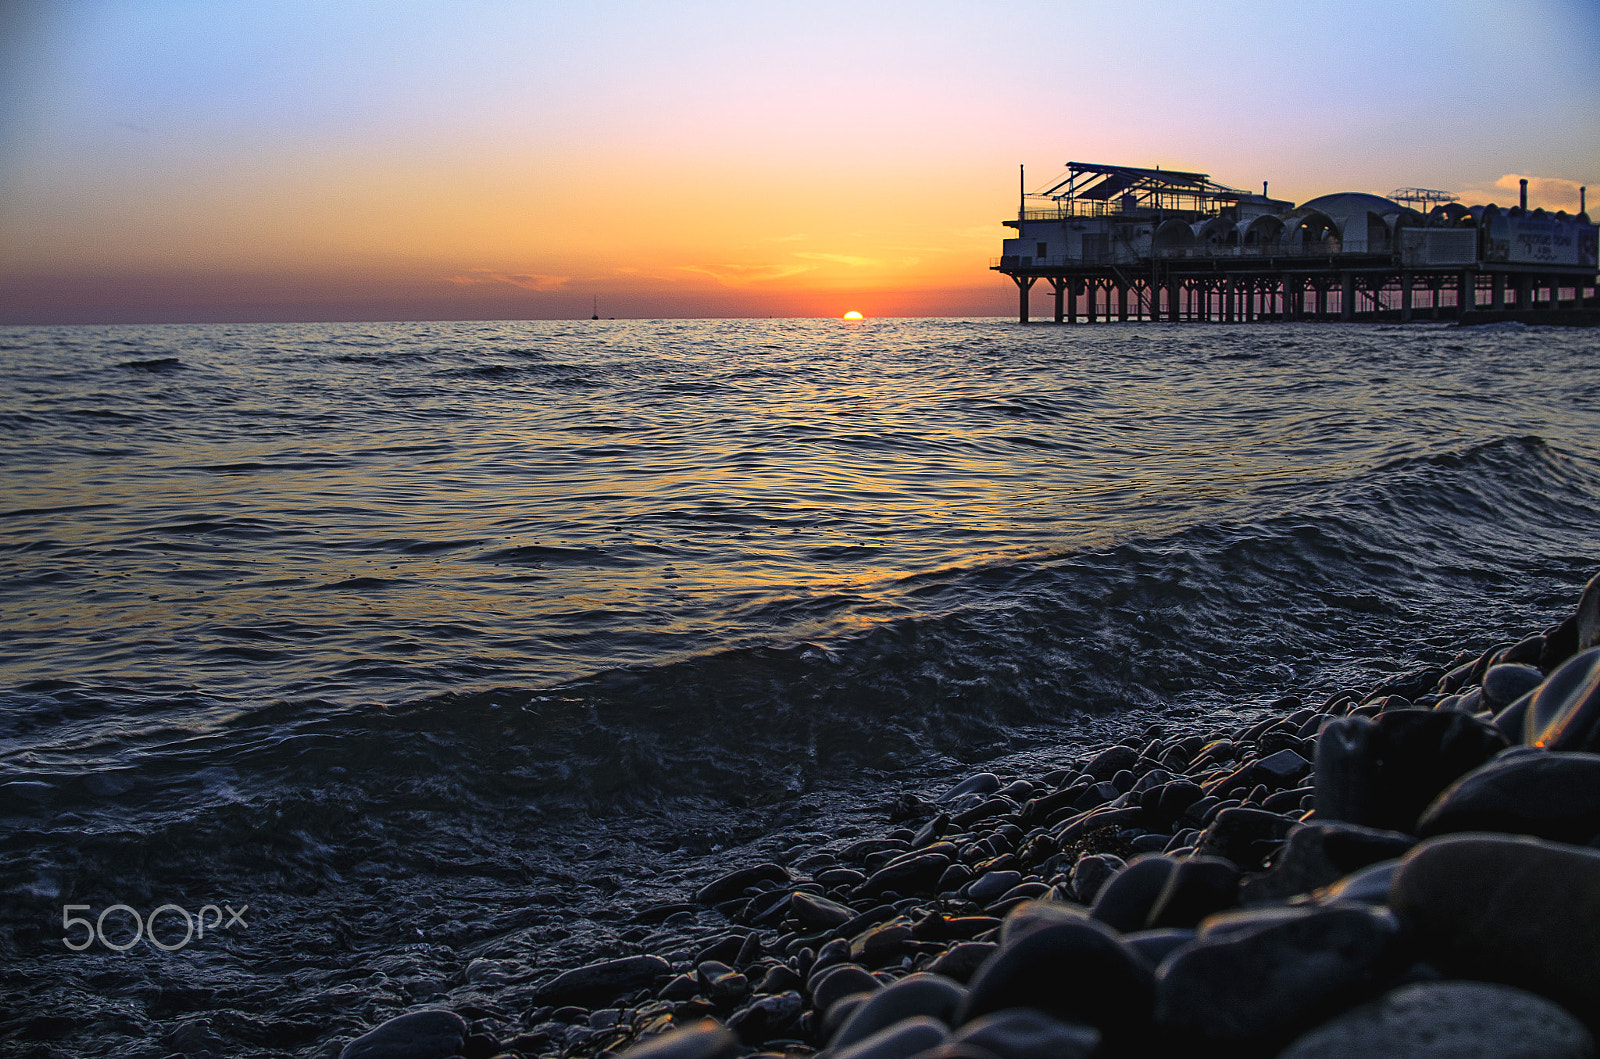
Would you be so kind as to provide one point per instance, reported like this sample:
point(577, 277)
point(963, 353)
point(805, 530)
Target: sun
point(852, 315)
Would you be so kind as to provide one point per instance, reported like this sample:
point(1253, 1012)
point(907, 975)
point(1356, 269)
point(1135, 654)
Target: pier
point(1123, 243)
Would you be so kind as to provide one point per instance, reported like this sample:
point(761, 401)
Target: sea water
point(440, 650)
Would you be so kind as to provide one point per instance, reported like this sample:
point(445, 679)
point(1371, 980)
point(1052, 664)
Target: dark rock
point(734, 883)
point(682, 987)
point(1281, 769)
point(1096, 796)
point(415, 1035)
point(960, 961)
point(1196, 888)
point(1510, 909)
point(918, 872)
point(1176, 797)
point(1548, 795)
point(1319, 854)
point(916, 994)
point(818, 913)
point(990, 886)
point(883, 943)
point(995, 806)
point(837, 878)
point(1243, 835)
point(1110, 761)
point(779, 979)
point(1125, 901)
point(1504, 684)
point(984, 783)
point(703, 1040)
point(602, 981)
point(1449, 1020)
point(1383, 772)
point(834, 983)
point(1031, 915)
point(1588, 615)
point(1155, 945)
point(766, 1017)
point(875, 914)
point(1254, 977)
point(1564, 714)
point(1369, 886)
point(1512, 722)
point(1560, 644)
point(1076, 971)
point(1097, 819)
point(720, 982)
point(1021, 1033)
point(899, 1041)
point(725, 949)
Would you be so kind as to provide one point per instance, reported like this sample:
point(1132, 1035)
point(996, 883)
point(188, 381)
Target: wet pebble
point(1512, 909)
point(417, 1035)
point(1547, 795)
point(1449, 1020)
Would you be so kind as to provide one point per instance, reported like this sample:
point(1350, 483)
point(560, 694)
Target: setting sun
point(852, 315)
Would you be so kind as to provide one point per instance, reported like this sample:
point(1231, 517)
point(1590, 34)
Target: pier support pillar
point(1072, 300)
point(1347, 296)
point(1060, 286)
point(1466, 293)
point(1172, 301)
point(1091, 291)
point(1497, 291)
point(1024, 284)
point(1405, 297)
point(1525, 292)
point(1122, 303)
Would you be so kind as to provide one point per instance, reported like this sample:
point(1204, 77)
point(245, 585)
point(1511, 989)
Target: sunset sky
point(354, 160)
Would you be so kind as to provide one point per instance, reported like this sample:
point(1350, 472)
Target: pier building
point(1125, 243)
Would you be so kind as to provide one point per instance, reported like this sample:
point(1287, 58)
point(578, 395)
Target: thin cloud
point(841, 259)
point(1551, 193)
point(740, 275)
point(533, 281)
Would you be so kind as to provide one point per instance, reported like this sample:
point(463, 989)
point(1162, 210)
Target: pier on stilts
point(1123, 243)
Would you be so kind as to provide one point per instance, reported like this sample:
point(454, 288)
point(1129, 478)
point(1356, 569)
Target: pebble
point(917, 994)
point(1319, 854)
point(1507, 908)
point(1091, 872)
point(899, 1041)
point(602, 981)
point(736, 882)
point(1548, 795)
point(1504, 684)
point(1384, 772)
point(1022, 1033)
point(834, 983)
point(1255, 976)
point(416, 1035)
point(1564, 714)
point(1449, 1020)
point(702, 1040)
point(1077, 971)
point(1125, 901)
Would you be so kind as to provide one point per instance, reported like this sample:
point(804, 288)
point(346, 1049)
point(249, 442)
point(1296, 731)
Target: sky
point(196, 160)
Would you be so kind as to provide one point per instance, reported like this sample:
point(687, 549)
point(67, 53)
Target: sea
point(352, 668)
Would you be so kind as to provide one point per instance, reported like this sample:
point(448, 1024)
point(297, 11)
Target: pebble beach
point(1406, 871)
